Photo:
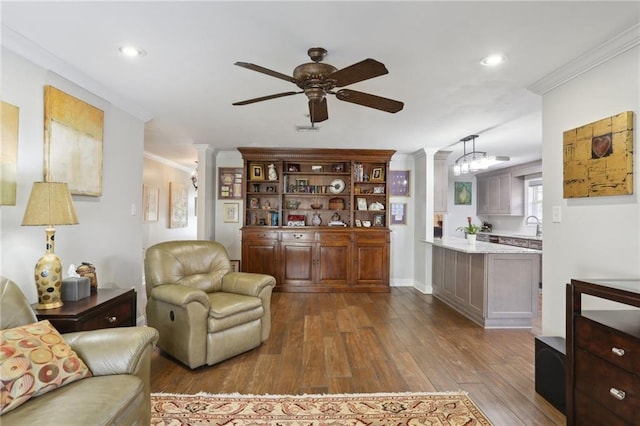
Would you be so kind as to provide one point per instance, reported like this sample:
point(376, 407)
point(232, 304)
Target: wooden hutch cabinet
point(317, 219)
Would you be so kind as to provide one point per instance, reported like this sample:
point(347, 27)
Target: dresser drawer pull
point(617, 393)
point(617, 351)
point(111, 320)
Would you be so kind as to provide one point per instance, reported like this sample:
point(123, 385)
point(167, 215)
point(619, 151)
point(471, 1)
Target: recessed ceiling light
point(132, 51)
point(493, 60)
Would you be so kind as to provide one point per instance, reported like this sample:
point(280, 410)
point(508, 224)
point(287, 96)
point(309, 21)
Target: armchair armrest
point(246, 283)
point(179, 295)
point(113, 350)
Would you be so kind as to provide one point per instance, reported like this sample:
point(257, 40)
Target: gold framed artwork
point(598, 158)
point(229, 183)
point(377, 174)
point(8, 154)
point(231, 212)
point(178, 205)
point(150, 203)
point(73, 133)
point(257, 172)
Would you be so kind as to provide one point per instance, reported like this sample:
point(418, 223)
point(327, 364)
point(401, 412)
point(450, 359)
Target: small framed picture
point(291, 167)
point(271, 188)
point(316, 169)
point(358, 223)
point(231, 212)
point(398, 213)
point(377, 174)
point(362, 203)
point(399, 182)
point(235, 266)
point(378, 220)
point(378, 190)
point(366, 223)
point(257, 172)
point(254, 203)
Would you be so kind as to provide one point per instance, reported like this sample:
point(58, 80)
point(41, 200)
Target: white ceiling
point(186, 83)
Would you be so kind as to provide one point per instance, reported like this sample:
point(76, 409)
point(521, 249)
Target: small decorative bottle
point(316, 220)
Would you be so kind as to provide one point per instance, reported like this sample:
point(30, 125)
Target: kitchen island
point(494, 285)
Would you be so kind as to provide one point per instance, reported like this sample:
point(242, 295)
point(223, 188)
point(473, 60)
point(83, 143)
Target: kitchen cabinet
point(603, 347)
point(494, 288)
point(316, 219)
point(500, 193)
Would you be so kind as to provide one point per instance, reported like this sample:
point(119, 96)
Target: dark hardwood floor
point(389, 342)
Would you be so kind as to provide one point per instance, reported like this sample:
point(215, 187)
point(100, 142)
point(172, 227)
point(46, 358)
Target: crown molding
point(29, 50)
point(591, 59)
point(166, 162)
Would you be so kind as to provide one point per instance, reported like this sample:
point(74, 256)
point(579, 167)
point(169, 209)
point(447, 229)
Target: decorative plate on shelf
point(337, 186)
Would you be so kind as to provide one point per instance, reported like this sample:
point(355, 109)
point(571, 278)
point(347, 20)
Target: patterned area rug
point(317, 410)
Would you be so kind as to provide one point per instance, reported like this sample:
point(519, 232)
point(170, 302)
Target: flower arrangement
point(470, 228)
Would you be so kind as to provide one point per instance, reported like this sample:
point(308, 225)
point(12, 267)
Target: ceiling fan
point(318, 79)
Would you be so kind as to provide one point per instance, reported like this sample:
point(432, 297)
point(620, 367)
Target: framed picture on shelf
point(257, 172)
point(254, 203)
point(358, 223)
point(378, 190)
point(235, 266)
point(362, 203)
point(229, 183)
point(398, 213)
point(378, 220)
point(292, 167)
point(230, 212)
point(399, 183)
point(377, 174)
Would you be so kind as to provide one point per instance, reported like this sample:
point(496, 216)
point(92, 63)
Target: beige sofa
point(204, 313)
point(119, 359)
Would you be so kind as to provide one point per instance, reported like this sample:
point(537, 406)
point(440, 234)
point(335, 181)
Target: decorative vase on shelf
point(316, 220)
point(471, 238)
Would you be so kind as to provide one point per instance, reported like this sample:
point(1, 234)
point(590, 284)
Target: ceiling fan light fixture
point(493, 60)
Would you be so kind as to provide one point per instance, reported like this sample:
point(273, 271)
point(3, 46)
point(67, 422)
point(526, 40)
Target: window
point(534, 198)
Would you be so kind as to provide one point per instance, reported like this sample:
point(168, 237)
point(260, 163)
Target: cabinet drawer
point(618, 348)
point(535, 244)
point(260, 235)
point(114, 315)
point(597, 379)
point(334, 236)
point(298, 236)
point(590, 412)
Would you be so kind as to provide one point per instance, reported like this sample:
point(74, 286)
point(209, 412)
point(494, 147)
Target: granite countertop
point(511, 235)
point(461, 244)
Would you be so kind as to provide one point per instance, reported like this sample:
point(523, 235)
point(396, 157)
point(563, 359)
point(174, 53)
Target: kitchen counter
point(512, 235)
point(494, 285)
point(461, 244)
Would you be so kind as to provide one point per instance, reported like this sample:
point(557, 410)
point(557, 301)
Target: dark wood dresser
point(603, 354)
point(105, 309)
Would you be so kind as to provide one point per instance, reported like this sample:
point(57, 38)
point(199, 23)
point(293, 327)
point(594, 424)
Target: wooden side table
point(105, 309)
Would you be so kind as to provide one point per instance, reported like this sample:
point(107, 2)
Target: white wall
point(159, 174)
point(597, 237)
point(108, 235)
point(402, 247)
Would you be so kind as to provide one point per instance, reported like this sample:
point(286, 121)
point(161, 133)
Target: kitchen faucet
point(538, 229)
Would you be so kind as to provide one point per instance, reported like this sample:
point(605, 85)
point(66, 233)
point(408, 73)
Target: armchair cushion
point(35, 360)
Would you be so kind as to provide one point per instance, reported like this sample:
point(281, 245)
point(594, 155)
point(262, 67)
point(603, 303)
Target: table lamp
point(49, 204)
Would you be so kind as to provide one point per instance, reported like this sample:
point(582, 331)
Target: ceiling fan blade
point(318, 110)
point(264, 70)
point(371, 101)
point(265, 98)
point(360, 71)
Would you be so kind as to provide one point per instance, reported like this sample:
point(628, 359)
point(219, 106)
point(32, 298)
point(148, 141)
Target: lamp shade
point(49, 204)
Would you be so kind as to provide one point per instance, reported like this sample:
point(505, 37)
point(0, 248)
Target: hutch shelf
point(316, 219)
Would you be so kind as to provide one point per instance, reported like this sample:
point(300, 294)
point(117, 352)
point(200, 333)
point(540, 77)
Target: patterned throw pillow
point(35, 359)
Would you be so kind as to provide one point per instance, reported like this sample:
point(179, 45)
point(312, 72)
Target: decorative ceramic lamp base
point(48, 275)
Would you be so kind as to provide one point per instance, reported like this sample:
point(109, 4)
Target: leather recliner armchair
point(119, 359)
point(205, 314)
